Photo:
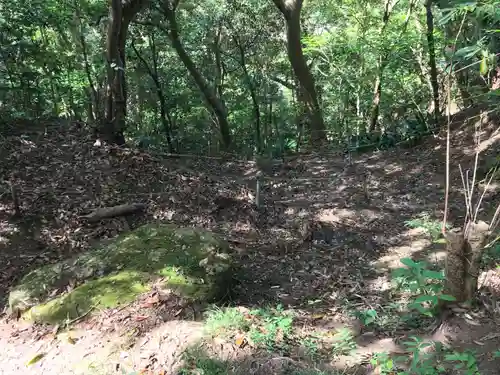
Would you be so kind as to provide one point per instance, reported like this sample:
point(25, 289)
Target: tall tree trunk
point(94, 110)
point(291, 10)
point(121, 14)
point(432, 61)
point(377, 93)
point(219, 65)
point(381, 64)
point(215, 103)
point(153, 73)
point(253, 95)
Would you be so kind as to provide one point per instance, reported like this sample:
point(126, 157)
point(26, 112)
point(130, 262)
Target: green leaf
point(409, 262)
point(453, 357)
point(467, 52)
point(483, 66)
point(433, 275)
point(422, 299)
point(447, 297)
point(35, 359)
point(399, 272)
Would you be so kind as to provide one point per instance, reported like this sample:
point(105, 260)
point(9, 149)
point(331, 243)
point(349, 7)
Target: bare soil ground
point(325, 237)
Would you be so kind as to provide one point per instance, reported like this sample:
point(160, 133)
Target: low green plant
point(199, 363)
point(343, 343)
point(491, 255)
point(465, 361)
point(310, 345)
point(366, 317)
point(384, 362)
point(274, 330)
point(225, 321)
point(431, 226)
point(422, 362)
point(425, 285)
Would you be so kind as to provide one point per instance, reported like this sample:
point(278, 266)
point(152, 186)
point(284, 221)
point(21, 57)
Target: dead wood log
point(464, 250)
point(108, 212)
point(476, 241)
point(455, 267)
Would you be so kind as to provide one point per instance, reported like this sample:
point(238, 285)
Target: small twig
point(465, 191)
point(82, 316)
point(495, 221)
point(478, 140)
point(482, 196)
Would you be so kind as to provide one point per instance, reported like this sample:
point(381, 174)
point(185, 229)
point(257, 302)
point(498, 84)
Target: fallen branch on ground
point(108, 212)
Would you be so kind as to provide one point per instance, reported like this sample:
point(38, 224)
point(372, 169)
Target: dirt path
point(95, 352)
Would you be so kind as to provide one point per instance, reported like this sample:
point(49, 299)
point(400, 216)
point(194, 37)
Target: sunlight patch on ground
point(242, 227)
point(417, 170)
point(415, 241)
point(392, 168)
point(336, 215)
point(27, 145)
point(484, 145)
point(380, 284)
point(164, 214)
point(7, 228)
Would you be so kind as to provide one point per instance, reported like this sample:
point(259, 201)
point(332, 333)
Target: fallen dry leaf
point(241, 341)
point(35, 359)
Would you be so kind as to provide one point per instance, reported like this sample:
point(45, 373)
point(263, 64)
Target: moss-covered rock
point(195, 263)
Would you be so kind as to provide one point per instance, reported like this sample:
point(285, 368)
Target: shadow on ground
point(323, 239)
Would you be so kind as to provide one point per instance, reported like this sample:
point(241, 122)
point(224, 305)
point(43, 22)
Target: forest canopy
point(250, 77)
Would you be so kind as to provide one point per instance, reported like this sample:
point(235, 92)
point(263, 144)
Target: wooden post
point(455, 269)
point(464, 252)
point(477, 236)
point(258, 188)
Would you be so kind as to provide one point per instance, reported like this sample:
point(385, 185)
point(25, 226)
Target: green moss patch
point(192, 261)
point(107, 291)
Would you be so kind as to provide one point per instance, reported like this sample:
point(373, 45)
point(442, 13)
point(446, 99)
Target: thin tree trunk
point(377, 93)
point(253, 95)
point(78, 33)
point(291, 10)
point(220, 73)
point(120, 16)
point(432, 61)
point(382, 63)
point(153, 73)
point(210, 95)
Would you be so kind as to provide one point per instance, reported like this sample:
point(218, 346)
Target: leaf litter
point(311, 245)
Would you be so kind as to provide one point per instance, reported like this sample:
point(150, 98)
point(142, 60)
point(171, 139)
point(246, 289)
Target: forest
point(252, 77)
point(223, 187)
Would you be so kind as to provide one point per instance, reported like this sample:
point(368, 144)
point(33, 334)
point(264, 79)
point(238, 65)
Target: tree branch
point(280, 4)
